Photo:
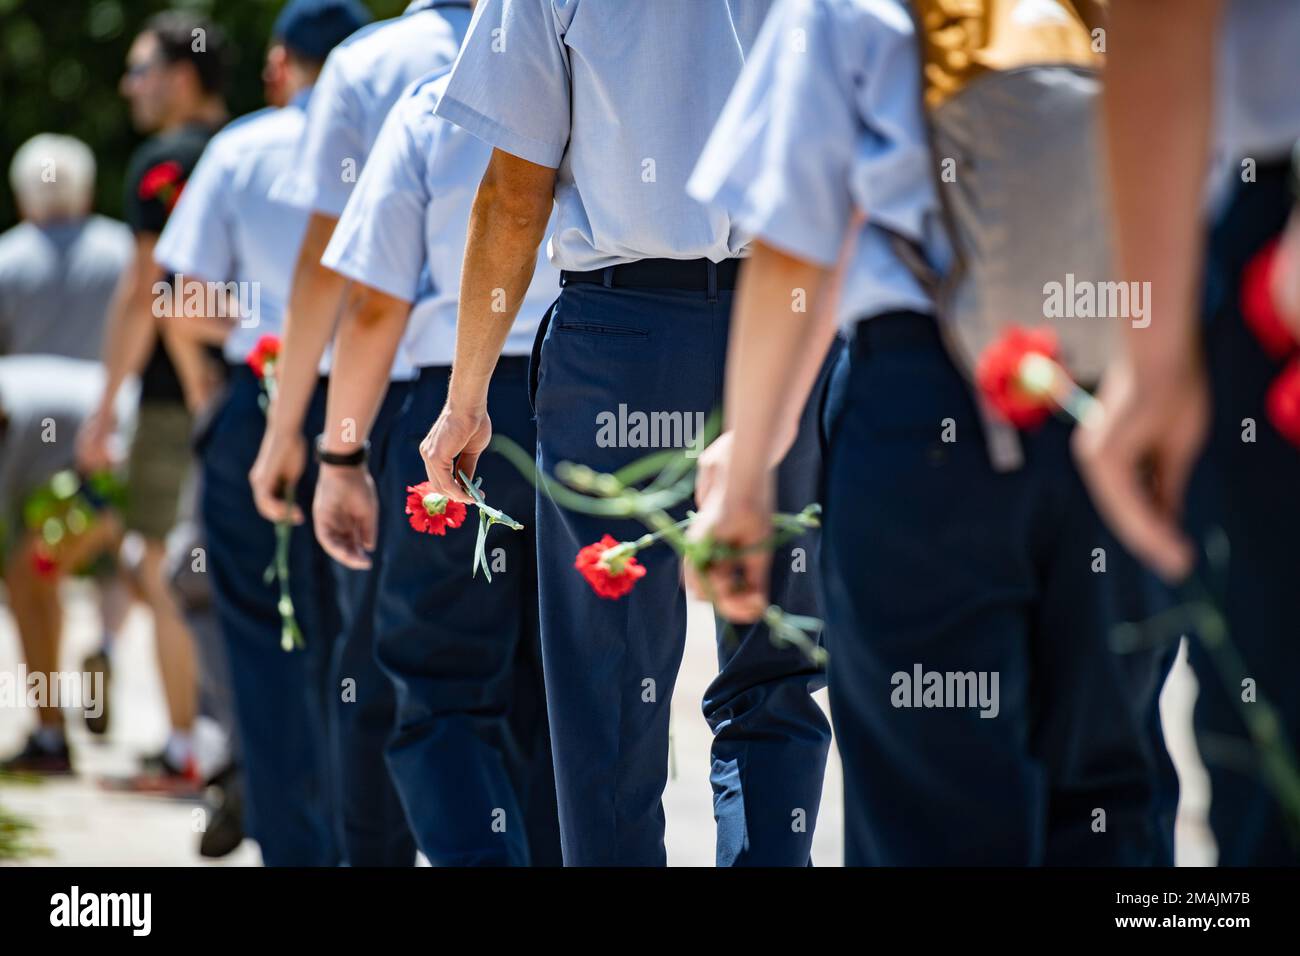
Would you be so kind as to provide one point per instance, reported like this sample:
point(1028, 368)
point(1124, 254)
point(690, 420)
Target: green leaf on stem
point(487, 517)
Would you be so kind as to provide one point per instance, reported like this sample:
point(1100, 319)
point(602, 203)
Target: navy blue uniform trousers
point(1246, 491)
point(611, 665)
point(283, 700)
point(933, 559)
point(375, 831)
point(471, 755)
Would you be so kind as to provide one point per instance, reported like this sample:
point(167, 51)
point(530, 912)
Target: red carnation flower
point(44, 565)
point(611, 573)
point(162, 180)
point(1283, 402)
point(431, 512)
point(1258, 308)
point(265, 352)
point(999, 375)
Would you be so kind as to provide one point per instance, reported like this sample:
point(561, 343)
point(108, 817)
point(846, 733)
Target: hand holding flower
point(454, 443)
point(732, 558)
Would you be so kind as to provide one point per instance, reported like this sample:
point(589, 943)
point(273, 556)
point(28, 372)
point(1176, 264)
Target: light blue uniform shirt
point(362, 78)
point(619, 97)
point(404, 229)
point(225, 228)
point(1258, 79)
point(826, 119)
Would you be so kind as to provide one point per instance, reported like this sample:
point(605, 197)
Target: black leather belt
point(687, 275)
point(896, 330)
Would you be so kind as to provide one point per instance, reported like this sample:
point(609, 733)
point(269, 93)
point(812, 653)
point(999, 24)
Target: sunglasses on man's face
point(136, 70)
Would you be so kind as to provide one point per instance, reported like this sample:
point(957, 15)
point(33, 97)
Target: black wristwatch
point(349, 460)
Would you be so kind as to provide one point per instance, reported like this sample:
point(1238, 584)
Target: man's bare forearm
point(184, 337)
point(507, 224)
point(773, 358)
point(1158, 110)
point(369, 333)
point(308, 326)
point(131, 330)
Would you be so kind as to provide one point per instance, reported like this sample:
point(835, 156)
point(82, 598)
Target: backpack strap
point(1001, 439)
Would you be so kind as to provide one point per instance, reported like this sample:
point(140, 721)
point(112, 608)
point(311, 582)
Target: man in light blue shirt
point(471, 742)
point(361, 81)
point(1186, 452)
point(236, 247)
point(934, 562)
point(601, 109)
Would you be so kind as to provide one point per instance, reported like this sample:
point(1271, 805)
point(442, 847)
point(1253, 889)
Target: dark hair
point(176, 32)
point(302, 59)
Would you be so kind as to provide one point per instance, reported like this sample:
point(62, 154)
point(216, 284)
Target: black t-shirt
point(157, 173)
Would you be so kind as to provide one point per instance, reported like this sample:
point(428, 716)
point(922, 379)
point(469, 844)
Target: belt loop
point(607, 277)
point(564, 278)
point(713, 281)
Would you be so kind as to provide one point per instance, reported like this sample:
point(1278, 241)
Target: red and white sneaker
point(160, 777)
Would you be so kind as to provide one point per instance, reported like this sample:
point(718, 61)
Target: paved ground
point(79, 824)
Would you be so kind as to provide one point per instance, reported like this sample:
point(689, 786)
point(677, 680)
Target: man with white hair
point(59, 265)
point(58, 268)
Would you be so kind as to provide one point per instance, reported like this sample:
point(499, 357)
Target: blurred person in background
point(361, 81)
point(461, 650)
point(226, 230)
point(174, 79)
point(219, 756)
point(59, 265)
point(1193, 458)
point(58, 268)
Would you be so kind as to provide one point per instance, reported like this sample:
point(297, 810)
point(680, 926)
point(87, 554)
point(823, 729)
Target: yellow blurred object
point(964, 39)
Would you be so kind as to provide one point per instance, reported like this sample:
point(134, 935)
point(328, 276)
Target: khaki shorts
point(159, 463)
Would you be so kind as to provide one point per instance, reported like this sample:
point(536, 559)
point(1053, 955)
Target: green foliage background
point(60, 62)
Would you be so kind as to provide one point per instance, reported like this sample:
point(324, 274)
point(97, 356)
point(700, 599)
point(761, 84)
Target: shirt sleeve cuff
point(498, 136)
point(301, 193)
point(350, 267)
point(191, 266)
point(767, 223)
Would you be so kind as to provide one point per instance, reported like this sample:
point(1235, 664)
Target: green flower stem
point(620, 503)
point(671, 477)
point(1276, 753)
point(797, 630)
point(1046, 378)
point(487, 517)
point(1198, 614)
point(494, 516)
point(290, 632)
point(632, 547)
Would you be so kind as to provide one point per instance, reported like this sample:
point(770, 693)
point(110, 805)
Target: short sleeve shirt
point(155, 178)
point(826, 120)
point(619, 98)
point(404, 229)
point(226, 229)
point(362, 78)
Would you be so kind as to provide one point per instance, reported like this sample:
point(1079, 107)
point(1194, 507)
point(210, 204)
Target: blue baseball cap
point(311, 28)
